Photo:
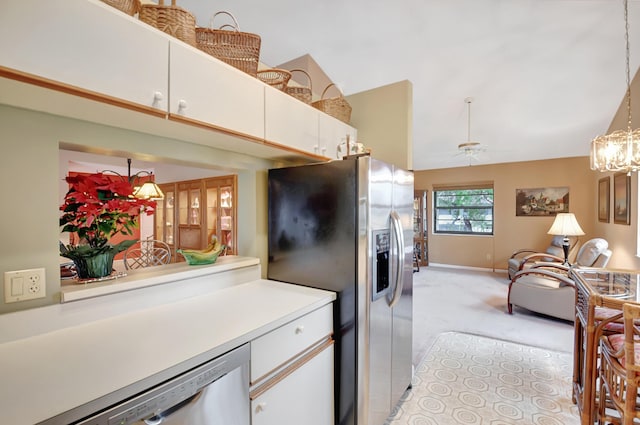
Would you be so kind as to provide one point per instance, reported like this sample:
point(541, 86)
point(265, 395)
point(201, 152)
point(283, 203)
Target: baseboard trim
point(457, 266)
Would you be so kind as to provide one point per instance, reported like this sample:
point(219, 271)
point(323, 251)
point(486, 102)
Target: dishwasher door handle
point(157, 419)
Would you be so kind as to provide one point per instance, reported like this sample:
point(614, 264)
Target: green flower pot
point(93, 263)
point(100, 265)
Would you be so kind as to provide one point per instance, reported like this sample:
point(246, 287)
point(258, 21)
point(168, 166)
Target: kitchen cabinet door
point(333, 132)
point(303, 397)
point(221, 211)
point(165, 218)
point(86, 45)
point(292, 372)
point(190, 226)
point(290, 122)
point(214, 94)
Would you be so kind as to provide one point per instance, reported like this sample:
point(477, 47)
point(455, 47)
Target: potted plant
point(97, 207)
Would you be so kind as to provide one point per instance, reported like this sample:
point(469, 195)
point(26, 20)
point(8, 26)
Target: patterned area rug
point(469, 379)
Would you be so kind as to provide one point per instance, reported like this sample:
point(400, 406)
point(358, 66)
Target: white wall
point(31, 180)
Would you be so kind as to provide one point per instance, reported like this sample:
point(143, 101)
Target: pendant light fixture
point(469, 148)
point(620, 150)
point(147, 190)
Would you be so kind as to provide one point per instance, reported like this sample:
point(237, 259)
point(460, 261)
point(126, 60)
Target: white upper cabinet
point(300, 126)
point(87, 45)
point(211, 92)
point(291, 122)
point(333, 132)
point(85, 49)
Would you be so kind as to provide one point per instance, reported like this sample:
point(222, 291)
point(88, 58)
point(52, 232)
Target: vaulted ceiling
point(545, 76)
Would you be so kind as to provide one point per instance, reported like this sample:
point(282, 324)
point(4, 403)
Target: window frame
point(467, 187)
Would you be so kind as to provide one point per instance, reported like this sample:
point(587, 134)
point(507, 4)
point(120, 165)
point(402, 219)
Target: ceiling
point(545, 76)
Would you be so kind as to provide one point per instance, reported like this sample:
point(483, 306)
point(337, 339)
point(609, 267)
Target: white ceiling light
point(620, 150)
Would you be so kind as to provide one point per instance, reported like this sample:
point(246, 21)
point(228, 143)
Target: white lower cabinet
point(303, 397)
point(292, 373)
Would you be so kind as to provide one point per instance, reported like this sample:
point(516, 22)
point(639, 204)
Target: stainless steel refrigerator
point(346, 226)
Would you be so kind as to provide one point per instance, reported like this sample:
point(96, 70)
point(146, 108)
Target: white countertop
point(51, 372)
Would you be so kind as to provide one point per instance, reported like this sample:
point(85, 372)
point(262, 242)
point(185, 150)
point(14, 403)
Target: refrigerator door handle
point(396, 228)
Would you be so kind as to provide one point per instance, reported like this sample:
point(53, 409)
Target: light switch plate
point(22, 285)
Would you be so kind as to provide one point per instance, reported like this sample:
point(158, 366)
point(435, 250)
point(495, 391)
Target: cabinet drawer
point(303, 397)
point(273, 350)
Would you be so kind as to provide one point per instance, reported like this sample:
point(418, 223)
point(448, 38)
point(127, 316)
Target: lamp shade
point(565, 224)
point(148, 190)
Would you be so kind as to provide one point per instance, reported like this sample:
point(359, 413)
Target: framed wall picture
point(542, 201)
point(621, 198)
point(604, 199)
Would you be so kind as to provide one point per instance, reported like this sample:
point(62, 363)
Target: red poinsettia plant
point(97, 207)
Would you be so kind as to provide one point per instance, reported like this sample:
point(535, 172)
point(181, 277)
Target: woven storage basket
point(302, 93)
point(238, 49)
point(277, 78)
point(130, 7)
point(173, 20)
point(337, 107)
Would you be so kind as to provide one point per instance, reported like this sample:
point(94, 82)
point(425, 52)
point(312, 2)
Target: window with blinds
point(463, 209)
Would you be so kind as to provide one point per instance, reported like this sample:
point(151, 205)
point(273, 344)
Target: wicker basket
point(337, 107)
point(302, 93)
point(130, 7)
point(173, 20)
point(276, 78)
point(238, 49)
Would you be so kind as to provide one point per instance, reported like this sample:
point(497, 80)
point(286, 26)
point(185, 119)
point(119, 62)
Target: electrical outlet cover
point(22, 285)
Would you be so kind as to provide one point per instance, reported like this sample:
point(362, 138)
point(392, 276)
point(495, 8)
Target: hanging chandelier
point(620, 150)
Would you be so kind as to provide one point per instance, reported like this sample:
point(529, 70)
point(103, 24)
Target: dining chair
point(147, 253)
point(619, 371)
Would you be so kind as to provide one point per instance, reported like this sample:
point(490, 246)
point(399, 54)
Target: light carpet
point(469, 379)
point(475, 302)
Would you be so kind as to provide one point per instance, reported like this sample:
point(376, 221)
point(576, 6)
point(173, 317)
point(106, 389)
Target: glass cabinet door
point(194, 207)
point(420, 246)
point(159, 222)
point(189, 234)
point(221, 210)
point(164, 217)
point(183, 209)
point(212, 212)
point(226, 217)
point(169, 218)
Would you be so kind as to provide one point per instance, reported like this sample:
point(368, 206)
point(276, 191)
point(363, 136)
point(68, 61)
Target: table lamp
point(565, 225)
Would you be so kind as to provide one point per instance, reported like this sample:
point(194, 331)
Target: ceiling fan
point(470, 149)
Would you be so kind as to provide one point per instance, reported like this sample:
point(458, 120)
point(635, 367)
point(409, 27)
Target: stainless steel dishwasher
point(214, 393)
